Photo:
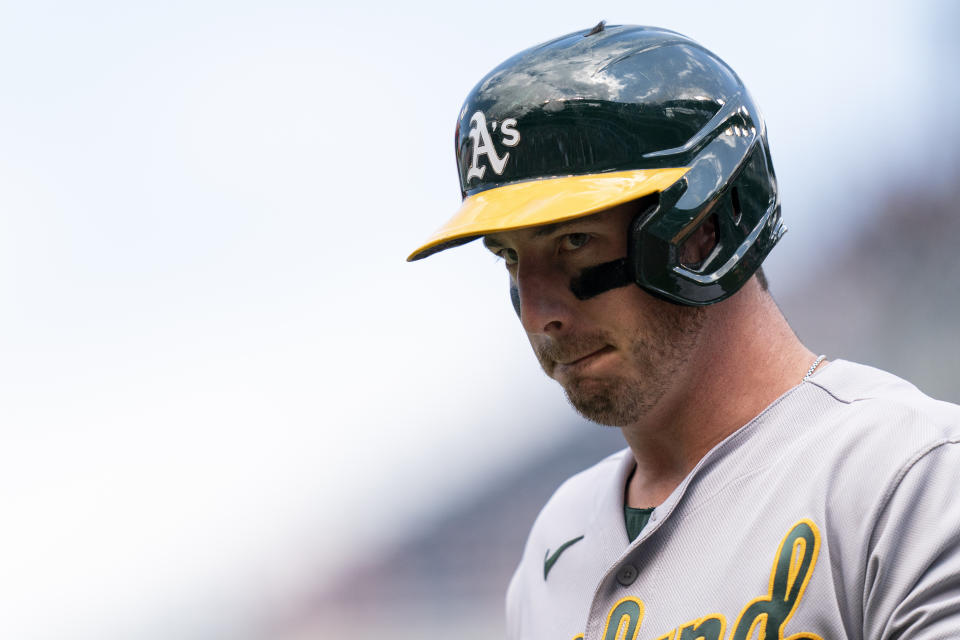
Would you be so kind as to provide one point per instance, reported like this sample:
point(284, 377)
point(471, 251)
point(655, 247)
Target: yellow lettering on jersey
point(791, 572)
point(763, 618)
point(706, 628)
point(623, 622)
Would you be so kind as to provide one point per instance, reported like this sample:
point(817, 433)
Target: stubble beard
point(657, 353)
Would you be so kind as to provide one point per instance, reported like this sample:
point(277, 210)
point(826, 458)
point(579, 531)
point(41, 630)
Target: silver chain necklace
point(813, 367)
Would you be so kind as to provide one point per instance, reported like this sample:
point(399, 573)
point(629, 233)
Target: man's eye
point(573, 241)
point(509, 255)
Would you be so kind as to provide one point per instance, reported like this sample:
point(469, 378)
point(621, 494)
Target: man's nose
point(545, 298)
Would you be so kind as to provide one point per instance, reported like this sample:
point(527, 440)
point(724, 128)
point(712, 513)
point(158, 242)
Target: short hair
point(762, 279)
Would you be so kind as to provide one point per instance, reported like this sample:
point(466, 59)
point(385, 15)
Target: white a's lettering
point(483, 146)
point(510, 134)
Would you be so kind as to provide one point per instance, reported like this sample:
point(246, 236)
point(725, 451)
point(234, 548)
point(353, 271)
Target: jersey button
point(627, 574)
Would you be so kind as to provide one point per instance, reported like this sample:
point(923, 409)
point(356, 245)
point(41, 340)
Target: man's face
point(615, 354)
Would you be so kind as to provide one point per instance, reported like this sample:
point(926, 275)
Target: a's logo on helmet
point(483, 144)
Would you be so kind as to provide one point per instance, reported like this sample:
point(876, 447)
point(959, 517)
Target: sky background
point(216, 370)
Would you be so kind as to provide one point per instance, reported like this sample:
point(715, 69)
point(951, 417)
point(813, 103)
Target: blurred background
point(229, 409)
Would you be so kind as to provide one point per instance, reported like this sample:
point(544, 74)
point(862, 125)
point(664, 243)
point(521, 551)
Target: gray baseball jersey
point(833, 514)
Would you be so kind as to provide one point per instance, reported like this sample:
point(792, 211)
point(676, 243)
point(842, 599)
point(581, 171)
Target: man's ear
point(698, 247)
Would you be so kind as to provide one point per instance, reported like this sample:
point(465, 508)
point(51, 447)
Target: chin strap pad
point(593, 281)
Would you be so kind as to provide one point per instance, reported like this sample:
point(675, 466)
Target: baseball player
point(623, 175)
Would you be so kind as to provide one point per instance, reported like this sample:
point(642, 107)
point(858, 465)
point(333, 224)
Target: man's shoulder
point(875, 398)
point(852, 381)
point(875, 424)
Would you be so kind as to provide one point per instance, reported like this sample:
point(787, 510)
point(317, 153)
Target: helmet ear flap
point(730, 186)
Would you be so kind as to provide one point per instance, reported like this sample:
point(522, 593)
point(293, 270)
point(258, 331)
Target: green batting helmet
point(605, 116)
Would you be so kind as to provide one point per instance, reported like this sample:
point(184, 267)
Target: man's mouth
point(582, 360)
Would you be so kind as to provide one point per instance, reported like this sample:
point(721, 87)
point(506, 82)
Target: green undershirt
point(636, 520)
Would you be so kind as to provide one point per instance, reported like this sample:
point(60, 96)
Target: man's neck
point(747, 357)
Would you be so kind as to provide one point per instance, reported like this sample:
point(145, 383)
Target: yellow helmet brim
point(545, 201)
